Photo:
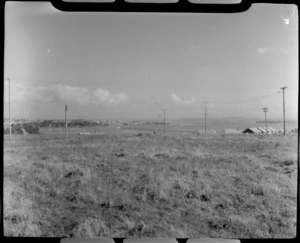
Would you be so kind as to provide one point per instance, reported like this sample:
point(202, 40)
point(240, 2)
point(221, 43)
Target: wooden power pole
point(283, 92)
point(265, 109)
point(9, 108)
point(66, 132)
point(205, 114)
point(164, 110)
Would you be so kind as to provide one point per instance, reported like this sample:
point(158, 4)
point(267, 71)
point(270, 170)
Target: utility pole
point(283, 92)
point(265, 109)
point(164, 120)
point(205, 117)
point(66, 108)
point(9, 108)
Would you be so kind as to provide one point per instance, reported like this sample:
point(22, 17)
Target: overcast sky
point(130, 65)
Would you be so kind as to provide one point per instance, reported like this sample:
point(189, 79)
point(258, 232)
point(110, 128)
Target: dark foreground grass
point(225, 186)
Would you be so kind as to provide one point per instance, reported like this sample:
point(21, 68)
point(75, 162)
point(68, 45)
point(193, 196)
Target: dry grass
point(225, 186)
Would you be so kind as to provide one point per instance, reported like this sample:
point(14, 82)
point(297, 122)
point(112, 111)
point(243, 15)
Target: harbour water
point(212, 127)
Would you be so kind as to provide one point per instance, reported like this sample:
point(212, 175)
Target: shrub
point(15, 129)
point(31, 128)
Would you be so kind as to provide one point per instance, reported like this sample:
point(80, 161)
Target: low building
point(271, 130)
point(252, 130)
point(202, 131)
point(262, 129)
point(259, 130)
point(231, 131)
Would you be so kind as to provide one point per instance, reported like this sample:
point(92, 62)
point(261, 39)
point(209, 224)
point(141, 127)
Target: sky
point(133, 65)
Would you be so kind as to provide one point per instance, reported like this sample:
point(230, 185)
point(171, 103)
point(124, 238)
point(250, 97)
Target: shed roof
point(259, 130)
point(262, 129)
point(271, 129)
point(252, 129)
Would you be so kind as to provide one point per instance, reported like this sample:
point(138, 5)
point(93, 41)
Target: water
point(170, 128)
point(217, 127)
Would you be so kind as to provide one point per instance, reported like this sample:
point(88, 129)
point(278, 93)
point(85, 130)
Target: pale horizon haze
point(132, 65)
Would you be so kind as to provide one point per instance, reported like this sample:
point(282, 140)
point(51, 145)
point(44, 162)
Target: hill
point(214, 120)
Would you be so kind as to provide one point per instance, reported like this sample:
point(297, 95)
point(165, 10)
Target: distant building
point(252, 130)
point(202, 131)
point(271, 130)
point(231, 131)
point(262, 129)
point(259, 130)
point(199, 132)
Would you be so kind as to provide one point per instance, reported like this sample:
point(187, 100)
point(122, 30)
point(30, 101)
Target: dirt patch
point(283, 163)
point(204, 198)
point(120, 154)
point(220, 206)
point(73, 173)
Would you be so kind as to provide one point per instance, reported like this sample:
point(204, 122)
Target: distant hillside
point(214, 120)
point(276, 121)
point(61, 123)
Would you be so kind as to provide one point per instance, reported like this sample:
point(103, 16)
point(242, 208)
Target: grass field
point(123, 185)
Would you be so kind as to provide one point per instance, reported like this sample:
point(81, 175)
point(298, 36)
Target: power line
point(205, 114)
point(46, 81)
point(245, 101)
point(220, 123)
point(215, 113)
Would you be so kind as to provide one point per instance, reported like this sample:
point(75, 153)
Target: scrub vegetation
point(150, 185)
